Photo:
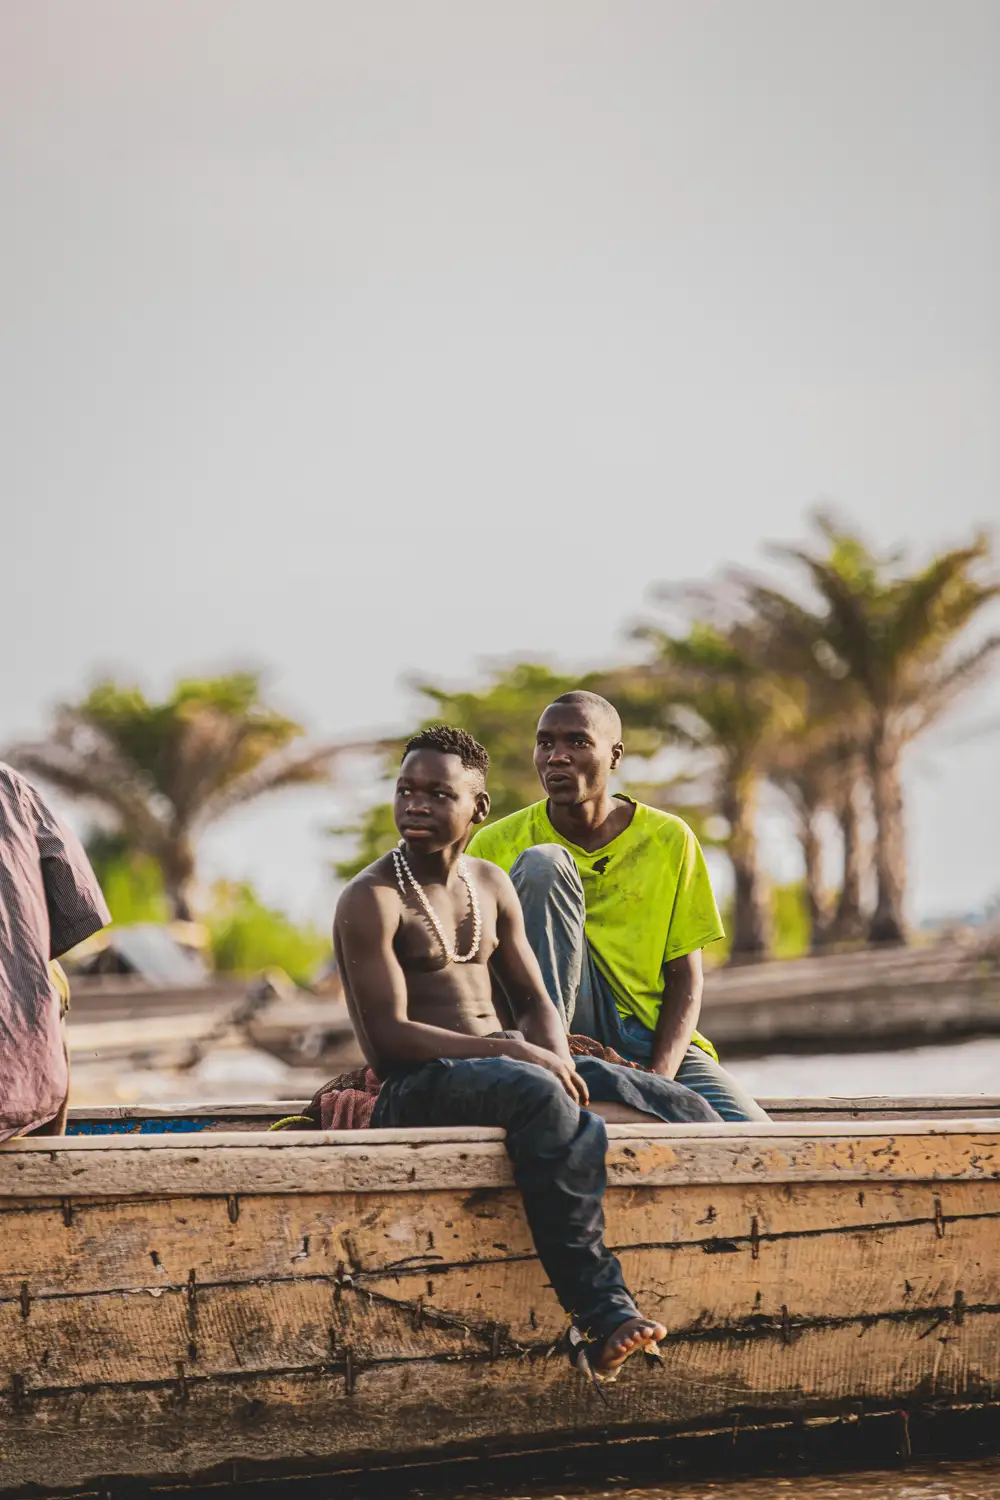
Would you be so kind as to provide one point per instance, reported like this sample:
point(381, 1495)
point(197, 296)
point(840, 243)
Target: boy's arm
point(683, 982)
point(517, 969)
point(365, 924)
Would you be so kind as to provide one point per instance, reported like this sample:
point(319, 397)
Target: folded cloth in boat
point(346, 1102)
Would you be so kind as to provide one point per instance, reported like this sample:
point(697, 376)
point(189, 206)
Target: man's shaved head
point(595, 707)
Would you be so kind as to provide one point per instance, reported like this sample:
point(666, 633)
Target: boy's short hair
point(448, 741)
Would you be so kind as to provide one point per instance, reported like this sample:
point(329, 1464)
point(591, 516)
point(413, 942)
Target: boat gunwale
point(250, 1164)
point(481, 1134)
point(919, 1106)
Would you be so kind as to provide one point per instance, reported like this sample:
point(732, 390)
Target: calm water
point(963, 1068)
point(971, 1481)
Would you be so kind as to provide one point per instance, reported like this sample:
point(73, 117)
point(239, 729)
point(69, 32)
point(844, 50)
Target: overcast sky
point(357, 339)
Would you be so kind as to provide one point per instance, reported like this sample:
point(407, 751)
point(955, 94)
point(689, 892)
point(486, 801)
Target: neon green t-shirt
point(647, 893)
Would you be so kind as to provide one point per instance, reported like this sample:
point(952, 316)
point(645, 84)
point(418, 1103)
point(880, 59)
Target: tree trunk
point(849, 924)
point(751, 917)
point(177, 864)
point(888, 925)
point(812, 856)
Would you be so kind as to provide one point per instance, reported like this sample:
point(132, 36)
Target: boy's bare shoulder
point(372, 893)
point(489, 876)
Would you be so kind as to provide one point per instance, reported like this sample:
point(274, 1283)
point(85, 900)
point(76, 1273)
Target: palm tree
point(894, 640)
point(162, 772)
point(706, 690)
point(818, 771)
point(803, 779)
point(849, 923)
point(819, 767)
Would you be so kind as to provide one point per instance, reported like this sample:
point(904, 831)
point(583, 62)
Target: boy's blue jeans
point(557, 1151)
point(558, 1154)
point(548, 885)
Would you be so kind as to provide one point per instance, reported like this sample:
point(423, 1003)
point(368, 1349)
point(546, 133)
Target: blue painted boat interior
point(138, 1127)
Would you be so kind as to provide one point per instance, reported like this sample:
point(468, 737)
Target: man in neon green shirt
point(617, 904)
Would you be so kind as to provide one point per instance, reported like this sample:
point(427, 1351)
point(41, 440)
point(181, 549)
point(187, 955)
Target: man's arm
point(76, 905)
point(364, 926)
point(694, 921)
point(683, 983)
point(517, 969)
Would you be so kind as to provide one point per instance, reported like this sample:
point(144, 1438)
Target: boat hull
point(173, 1303)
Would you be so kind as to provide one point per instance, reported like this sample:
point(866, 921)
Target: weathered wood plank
point(293, 1317)
point(903, 1273)
point(884, 1107)
point(455, 1135)
point(916, 1107)
point(123, 1338)
point(136, 1034)
point(401, 1161)
point(273, 1109)
point(188, 1426)
point(65, 1247)
point(829, 976)
point(254, 1113)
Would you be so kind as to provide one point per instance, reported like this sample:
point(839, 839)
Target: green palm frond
point(892, 629)
point(162, 771)
point(96, 779)
point(276, 774)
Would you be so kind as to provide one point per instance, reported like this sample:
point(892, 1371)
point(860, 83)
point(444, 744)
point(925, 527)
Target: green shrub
point(790, 922)
point(131, 882)
point(247, 936)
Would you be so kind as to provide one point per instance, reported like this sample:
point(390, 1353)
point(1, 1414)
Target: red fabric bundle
point(349, 1109)
point(345, 1103)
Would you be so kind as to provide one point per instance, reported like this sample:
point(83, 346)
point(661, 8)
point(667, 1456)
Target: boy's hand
point(562, 1068)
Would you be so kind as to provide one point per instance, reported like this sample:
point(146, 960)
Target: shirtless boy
point(420, 937)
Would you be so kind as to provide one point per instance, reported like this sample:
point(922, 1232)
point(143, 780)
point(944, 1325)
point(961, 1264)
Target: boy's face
point(438, 801)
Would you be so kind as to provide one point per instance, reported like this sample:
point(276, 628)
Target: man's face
point(575, 753)
point(437, 801)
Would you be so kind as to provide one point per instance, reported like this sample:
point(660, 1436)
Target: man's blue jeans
point(548, 885)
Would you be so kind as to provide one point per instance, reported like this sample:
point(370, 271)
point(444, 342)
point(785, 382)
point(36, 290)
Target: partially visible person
point(617, 904)
point(50, 900)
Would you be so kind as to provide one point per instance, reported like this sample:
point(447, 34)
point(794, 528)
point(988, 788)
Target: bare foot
point(635, 1333)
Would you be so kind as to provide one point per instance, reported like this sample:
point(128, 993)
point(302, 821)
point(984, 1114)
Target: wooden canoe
point(181, 1292)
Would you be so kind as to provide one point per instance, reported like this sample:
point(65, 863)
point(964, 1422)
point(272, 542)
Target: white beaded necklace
point(402, 868)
